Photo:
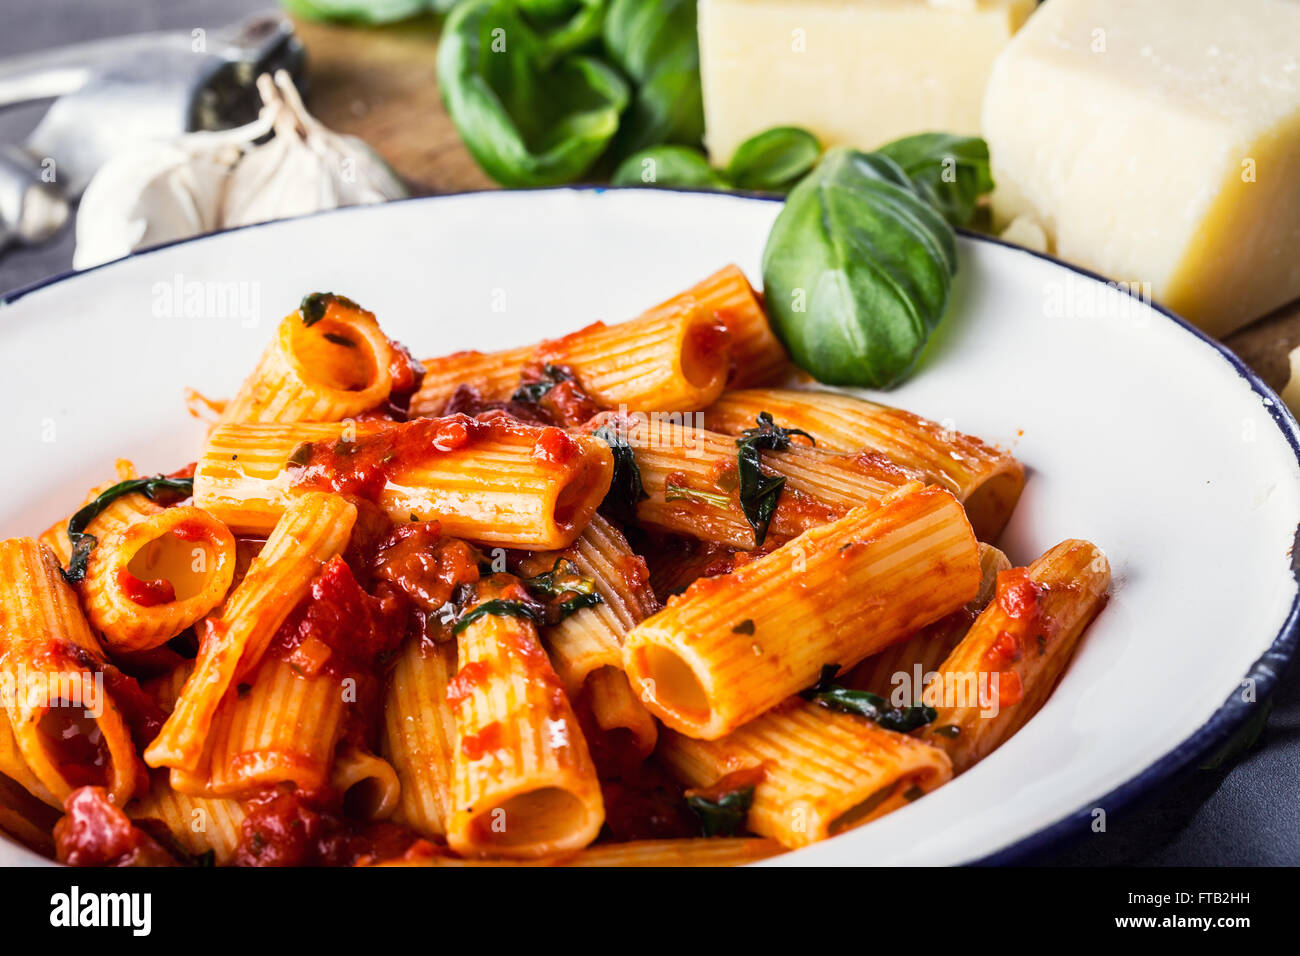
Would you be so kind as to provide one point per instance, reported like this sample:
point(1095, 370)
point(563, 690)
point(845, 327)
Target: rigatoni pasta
point(1013, 655)
point(523, 784)
point(419, 735)
point(587, 646)
point(314, 528)
point(150, 579)
point(69, 731)
point(675, 357)
point(494, 482)
point(987, 480)
point(328, 361)
point(816, 773)
point(569, 604)
point(733, 646)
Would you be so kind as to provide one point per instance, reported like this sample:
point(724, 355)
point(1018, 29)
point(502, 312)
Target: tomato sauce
point(93, 832)
point(343, 618)
point(424, 566)
point(285, 826)
point(486, 741)
point(145, 593)
point(362, 467)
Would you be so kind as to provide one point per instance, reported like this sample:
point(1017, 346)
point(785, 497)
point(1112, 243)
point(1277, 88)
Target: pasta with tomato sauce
point(622, 597)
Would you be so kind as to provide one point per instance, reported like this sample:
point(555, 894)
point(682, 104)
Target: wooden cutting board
point(380, 83)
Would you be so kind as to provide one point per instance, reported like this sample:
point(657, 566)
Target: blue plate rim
point(1266, 672)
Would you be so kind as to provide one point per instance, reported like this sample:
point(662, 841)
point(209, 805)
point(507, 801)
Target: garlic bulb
point(203, 182)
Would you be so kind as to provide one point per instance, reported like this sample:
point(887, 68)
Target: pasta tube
point(318, 368)
point(820, 772)
point(691, 481)
point(68, 730)
point(1007, 664)
point(368, 783)
point(25, 818)
point(668, 359)
point(923, 652)
point(494, 482)
point(314, 528)
point(419, 735)
point(757, 356)
point(987, 480)
point(198, 824)
point(13, 766)
point(281, 727)
point(148, 580)
point(732, 646)
point(523, 784)
point(716, 851)
point(586, 648)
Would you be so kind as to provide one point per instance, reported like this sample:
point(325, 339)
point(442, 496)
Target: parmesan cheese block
point(1158, 142)
point(855, 72)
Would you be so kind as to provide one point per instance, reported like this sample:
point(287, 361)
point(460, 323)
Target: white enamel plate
point(1139, 435)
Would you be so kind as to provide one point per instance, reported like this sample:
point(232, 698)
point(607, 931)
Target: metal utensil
point(117, 92)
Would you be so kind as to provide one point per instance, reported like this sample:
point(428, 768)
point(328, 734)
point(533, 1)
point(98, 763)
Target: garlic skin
point(204, 182)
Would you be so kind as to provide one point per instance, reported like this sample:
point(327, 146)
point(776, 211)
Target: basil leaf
point(563, 577)
point(498, 608)
point(857, 270)
point(656, 44)
point(669, 167)
point(83, 544)
point(625, 489)
point(552, 375)
point(574, 604)
point(952, 172)
point(531, 113)
point(724, 816)
point(772, 160)
point(313, 306)
point(866, 704)
point(362, 11)
point(564, 25)
point(760, 492)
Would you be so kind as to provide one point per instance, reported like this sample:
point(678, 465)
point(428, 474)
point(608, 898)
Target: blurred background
point(379, 83)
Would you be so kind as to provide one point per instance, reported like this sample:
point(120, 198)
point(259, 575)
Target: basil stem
point(83, 544)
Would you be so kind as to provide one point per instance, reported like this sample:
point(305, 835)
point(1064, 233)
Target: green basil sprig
point(771, 161)
point(774, 160)
point(759, 491)
point(497, 607)
point(313, 306)
point(563, 577)
point(83, 543)
point(625, 489)
point(364, 11)
point(725, 815)
point(952, 172)
point(866, 704)
point(532, 112)
point(564, 587)
point(857, 270)
point(655, 43)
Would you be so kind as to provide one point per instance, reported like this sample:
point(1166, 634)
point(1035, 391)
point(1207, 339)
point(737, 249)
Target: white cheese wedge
point(855, 72)
point(1158, 142)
